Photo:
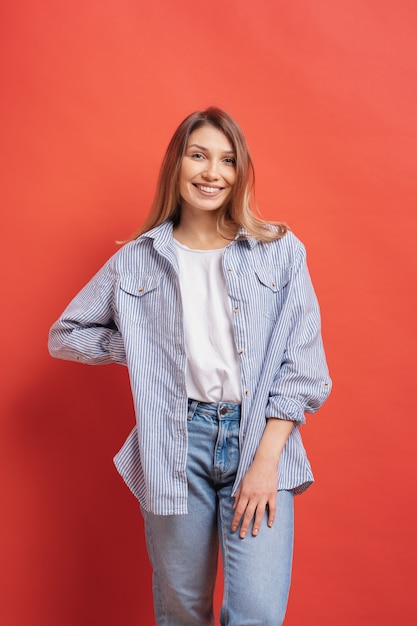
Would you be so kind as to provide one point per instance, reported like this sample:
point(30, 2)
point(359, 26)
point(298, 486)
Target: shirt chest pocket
point(271, 288)
point(139, 297)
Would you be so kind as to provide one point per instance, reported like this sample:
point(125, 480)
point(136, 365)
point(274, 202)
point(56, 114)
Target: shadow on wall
point(76, 531)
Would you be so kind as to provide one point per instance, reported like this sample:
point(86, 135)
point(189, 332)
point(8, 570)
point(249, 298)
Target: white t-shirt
point(213, 368)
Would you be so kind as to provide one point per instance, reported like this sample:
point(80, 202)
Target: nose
point(211, 171)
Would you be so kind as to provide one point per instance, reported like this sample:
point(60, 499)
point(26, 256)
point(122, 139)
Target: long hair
point(238, 211)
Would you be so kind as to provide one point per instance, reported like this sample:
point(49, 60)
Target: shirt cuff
point(285, 409)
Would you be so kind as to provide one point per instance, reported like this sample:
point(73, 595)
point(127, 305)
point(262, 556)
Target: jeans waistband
point(220, 411)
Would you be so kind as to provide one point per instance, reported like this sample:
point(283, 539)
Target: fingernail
point(255, 531)
point(243, 534)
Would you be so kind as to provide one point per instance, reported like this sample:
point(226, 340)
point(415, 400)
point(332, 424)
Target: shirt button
point(140, 289)
point(229, 271)
point(236, 309)
point(240, 351)
point(246, 392)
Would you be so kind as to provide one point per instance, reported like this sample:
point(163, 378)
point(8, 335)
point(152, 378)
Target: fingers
point(259, 514)
point(244, 514)
point(249, 512)
point(239, 506)
point(272, 509)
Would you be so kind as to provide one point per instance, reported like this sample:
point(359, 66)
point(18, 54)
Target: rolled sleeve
point(86, 331)
point(302, 382)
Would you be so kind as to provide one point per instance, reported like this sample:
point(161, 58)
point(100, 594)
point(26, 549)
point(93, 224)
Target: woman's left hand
point(257, 493)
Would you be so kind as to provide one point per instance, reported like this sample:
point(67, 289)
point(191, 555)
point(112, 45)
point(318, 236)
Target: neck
point(199, 231)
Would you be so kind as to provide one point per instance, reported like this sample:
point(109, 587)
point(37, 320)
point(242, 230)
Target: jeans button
point(223, 410)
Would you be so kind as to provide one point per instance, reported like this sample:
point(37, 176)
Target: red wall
point(91, 91)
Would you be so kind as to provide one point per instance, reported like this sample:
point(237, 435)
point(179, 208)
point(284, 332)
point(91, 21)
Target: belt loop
point(192, 406)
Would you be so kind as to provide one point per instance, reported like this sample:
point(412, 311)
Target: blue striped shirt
point(131, 313)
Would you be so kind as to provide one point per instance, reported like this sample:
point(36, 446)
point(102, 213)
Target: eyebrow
point(195, 145)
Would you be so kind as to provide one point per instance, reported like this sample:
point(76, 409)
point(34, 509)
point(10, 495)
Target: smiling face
point(207, 173)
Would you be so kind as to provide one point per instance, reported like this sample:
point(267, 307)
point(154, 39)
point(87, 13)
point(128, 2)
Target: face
point(208, 170)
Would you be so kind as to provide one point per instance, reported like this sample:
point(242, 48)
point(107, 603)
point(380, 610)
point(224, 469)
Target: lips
point(207, 188)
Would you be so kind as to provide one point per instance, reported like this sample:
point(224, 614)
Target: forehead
point(209, 137)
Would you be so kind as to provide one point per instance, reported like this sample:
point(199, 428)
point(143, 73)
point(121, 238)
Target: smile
point(208, 189)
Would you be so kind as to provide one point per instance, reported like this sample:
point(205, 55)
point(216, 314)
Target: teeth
point(208, 189)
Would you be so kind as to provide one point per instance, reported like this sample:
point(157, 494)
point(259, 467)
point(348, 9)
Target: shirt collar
point(243, 235)
point(162, 235)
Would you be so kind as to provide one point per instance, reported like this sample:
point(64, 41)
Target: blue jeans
point(183, 549)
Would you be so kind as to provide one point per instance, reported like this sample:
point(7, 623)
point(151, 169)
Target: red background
point(91, 93)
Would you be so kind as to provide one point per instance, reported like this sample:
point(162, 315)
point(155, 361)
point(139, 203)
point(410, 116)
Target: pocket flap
point(275, 278)
point(139, 284)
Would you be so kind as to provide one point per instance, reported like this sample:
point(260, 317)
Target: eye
point(197, 155)
point(230, 161)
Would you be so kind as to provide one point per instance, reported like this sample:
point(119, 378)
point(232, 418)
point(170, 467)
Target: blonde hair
point(238, 212)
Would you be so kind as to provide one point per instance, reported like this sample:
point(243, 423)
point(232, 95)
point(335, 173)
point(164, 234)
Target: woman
point(213, 312)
